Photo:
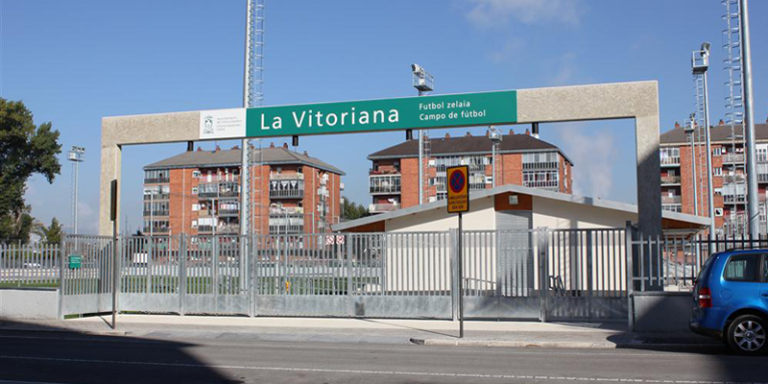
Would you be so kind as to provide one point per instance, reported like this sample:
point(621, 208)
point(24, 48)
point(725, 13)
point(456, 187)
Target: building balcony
point(286, 193)
point(383, 207)
point(157, 180)
point(670, 180)
point(157, 196)
point(544, 184)
point(286, 223)
point(666, 199)
point(156, 229)
point(738, 178)
point(286, 176)
point(670, 161)
point(286, 229)
point(204, 228)
point(734, 199)
point(730, 158)
point(156, 213)
point(384, 184)
point(228, 212)
point(672, 207)
point(286, 210)
point(541, 165)
point(376, 172)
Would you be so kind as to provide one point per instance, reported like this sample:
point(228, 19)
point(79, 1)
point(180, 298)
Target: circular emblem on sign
point(457, 182)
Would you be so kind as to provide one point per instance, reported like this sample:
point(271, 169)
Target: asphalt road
point(75, 358)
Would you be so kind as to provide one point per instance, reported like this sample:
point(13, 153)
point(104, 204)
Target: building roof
point(467, 145)
point(232, 158)
point(589, 201)
point(718, 134)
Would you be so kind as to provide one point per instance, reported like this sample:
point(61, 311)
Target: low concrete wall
point(41, 304)
point(662, 311)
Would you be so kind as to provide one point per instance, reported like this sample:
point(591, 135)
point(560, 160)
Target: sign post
point(115, 259)
point(458, 202)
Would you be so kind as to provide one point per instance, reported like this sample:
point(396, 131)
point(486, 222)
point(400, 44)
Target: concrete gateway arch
point(633, 100)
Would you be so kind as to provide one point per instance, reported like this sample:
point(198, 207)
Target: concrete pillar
point(111, 156)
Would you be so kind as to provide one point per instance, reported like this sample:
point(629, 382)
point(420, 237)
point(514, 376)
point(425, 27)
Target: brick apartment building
point(198, 192)
point(521, 159)
point(728, 168)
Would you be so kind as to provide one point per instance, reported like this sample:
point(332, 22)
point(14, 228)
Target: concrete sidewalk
point(422, 332)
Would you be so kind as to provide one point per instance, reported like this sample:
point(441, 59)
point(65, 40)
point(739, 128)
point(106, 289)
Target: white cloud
point(593, 155)
point(497, 13)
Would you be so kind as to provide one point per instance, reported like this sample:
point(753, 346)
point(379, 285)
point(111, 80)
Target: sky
point(74, 62)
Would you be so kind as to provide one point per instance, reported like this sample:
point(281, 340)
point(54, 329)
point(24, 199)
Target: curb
point(64, 330)
point(559, 345)
point(515, 344)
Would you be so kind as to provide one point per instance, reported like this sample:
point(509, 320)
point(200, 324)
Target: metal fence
point(673, 262)
point(527, 274)
point(29, 265)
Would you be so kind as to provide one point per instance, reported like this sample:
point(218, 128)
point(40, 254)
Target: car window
point(765, 268)
point(744, 268)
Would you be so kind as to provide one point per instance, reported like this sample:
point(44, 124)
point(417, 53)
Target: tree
point(50, 235)
point(352, 211)
point(25, 149)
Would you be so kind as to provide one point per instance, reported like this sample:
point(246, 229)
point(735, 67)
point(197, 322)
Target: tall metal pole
point(749, 123)
point(461, 285)
point(710, 188)
point(693, 161)
point(421, 162)
point(77, 167)
point(244, 163)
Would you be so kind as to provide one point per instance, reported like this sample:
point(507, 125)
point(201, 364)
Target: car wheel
point(747, 335)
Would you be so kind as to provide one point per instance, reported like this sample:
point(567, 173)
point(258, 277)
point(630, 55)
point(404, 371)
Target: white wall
point(481, 217)
point(557, 214)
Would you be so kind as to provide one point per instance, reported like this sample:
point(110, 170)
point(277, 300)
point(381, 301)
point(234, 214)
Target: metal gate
point(86, 270)
point(508, 274)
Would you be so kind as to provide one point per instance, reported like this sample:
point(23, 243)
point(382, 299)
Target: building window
point(717, 171)
point(541, 179)
point(156, 176)
point(194, 190)
point(717, 151)
point(196, 174)
point(540, 160)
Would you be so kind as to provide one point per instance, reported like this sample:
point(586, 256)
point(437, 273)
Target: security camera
point(417, 68)
point(705, 46)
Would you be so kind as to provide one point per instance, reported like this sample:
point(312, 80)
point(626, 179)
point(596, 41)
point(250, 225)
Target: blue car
point(731, 300)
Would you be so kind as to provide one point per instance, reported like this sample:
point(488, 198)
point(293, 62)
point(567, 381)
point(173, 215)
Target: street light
point(76, 156)
point(699, 67)
point(423, 82)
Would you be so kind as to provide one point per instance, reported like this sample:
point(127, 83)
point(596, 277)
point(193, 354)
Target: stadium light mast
point(76, 155)
point(699, 67)
point(424, 83)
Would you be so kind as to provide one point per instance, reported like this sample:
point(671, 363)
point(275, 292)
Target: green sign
point(75, 261)
point(443, 111)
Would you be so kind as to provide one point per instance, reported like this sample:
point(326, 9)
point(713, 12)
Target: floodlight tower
point(690, 128)
point(699, 67)
point(496, 138)
point(423, 82)
point(76, 156)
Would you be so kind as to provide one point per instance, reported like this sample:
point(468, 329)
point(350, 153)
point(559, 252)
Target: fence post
point(629, 246)
point(62, 257)
point(182, 272)
point(351, 305)
point(542, 242)
point(452, 238)
point(590, 274)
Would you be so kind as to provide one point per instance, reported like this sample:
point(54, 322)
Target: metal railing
point(157, 180)
point(666, 199)
point(734, 199)
point(286, 176)
point(287, 193)
point(383, 207)
point(157, 196)
point(672, 263)
point(733, 158)
point(670, 160)
point(670, 180)
point(29, 265)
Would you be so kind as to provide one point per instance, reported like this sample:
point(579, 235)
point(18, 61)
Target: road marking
point(372, 372)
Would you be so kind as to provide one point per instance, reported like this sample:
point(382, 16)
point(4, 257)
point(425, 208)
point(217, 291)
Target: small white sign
point(222, 124)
